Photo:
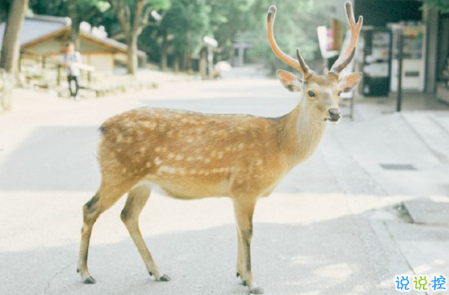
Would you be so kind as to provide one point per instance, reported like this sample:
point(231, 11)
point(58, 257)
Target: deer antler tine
point(349, 13)
point(305, 69)
point(275, 47)
point(344, 59)
point(345, 63)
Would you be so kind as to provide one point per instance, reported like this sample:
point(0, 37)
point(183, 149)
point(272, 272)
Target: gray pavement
point(370, 204)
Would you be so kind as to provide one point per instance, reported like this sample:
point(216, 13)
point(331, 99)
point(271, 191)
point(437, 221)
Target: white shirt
point(71, 59)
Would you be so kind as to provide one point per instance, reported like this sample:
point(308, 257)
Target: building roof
point(37, 26)
point(40, 28)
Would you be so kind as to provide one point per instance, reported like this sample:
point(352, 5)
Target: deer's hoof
point(164, 278)
point(237, 274)
point(256, 290)
point(89, 280)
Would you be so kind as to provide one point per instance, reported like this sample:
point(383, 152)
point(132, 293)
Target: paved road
point(326, 229)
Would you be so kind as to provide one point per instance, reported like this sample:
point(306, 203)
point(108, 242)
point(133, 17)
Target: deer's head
point(321, 93)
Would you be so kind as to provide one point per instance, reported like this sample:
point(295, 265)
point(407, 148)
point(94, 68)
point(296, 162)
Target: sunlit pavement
point(330, 227)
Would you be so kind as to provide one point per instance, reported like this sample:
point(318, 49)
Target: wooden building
point(43, 38)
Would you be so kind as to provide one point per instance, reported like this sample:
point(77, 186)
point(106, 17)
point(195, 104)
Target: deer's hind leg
point(137, 198)
point(244, 210)
point(107, 195)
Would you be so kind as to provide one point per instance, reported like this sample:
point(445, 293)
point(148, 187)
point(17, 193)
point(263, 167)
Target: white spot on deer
point(193, 171)
point(220, 155)
point(190, 159)
point(190, 139)
point(241, 146)
point(167, 169)
point(259, 162)
point(148, 164)
point(171, 155)
point(158, 161)
point(207, 160)
point(158, 149)
point(179, 157)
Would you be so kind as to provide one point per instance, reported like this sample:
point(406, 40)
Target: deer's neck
point(299, 134)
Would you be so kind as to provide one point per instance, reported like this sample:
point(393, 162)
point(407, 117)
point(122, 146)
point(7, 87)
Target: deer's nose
point(334, 114)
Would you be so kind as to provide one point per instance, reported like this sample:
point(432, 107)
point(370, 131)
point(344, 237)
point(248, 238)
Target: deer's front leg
point(244, 209)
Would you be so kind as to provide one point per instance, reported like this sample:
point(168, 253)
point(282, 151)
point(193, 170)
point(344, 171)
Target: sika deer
point(193, 155)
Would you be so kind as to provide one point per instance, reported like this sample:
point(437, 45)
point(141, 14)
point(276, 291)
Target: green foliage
point(295, 27)
point(186, 22)
point(92, 11)
point(441, 5)
point(227, 20)
point(186, 19)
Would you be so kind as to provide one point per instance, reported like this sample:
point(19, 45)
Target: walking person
point(71, 60)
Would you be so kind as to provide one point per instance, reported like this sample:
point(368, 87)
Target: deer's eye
point(311, 93)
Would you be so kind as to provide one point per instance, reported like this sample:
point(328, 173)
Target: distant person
point(71, 60)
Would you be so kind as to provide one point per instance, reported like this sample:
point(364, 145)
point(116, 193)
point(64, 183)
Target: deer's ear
point(349, 82)
point(290, 81)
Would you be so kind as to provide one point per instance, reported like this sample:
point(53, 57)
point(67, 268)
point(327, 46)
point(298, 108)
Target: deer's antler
point(299, 64)
point(344, 59)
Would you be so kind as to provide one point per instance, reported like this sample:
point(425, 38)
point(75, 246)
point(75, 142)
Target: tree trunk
point(132, 54)
point(176, 61)
point(76, 21)
point(11, 44)
point(163, 61)
point(203, 63)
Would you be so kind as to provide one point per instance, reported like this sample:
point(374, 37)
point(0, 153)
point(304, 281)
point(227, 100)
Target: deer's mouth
point(332, 120)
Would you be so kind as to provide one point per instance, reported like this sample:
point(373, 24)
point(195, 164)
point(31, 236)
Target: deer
point(191, 155)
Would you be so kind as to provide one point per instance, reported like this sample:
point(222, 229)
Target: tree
point(441, 5)
point(228, 19)
point(83, 10)
point(133, 16)
point(11, 44)
point(187, 22)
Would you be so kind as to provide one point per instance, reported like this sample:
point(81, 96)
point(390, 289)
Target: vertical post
point(400, 60)
point(189, 53)
point(58, 83)
point(203, 63)
point(20, 61)
point(241, 56)
point(210, 61)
